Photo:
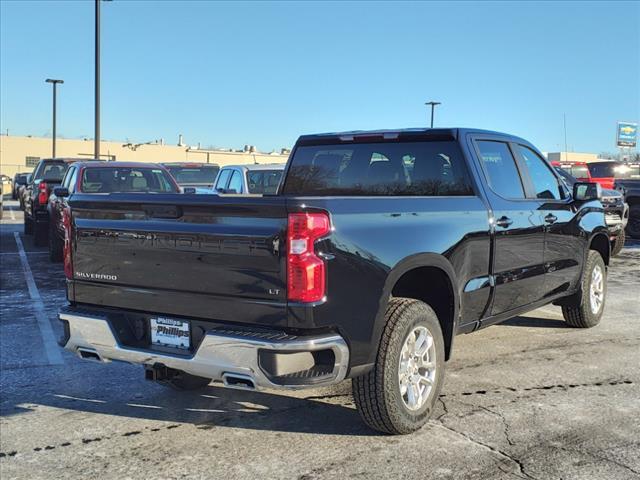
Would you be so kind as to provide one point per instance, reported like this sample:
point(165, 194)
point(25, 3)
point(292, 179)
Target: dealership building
point(21, 154)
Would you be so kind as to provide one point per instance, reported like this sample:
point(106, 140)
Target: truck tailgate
point(202, 256)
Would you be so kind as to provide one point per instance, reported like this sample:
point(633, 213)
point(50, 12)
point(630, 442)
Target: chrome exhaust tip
point(235, 380)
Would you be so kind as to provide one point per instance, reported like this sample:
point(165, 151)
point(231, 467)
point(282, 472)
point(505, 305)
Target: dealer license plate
point(168, 332)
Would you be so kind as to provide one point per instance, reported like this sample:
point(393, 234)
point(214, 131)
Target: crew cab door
point(564, 245)
point(518, 256)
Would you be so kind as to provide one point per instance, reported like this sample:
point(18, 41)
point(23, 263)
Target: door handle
point(504, 222)
point(551, 218)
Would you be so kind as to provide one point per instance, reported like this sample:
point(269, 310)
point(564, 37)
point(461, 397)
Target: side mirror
point(61, 192)
point(189, 190)
point(587, 191)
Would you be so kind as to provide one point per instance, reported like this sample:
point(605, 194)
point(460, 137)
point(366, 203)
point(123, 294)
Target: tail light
point(66, 249)
point(306, 271)
point(43, 193)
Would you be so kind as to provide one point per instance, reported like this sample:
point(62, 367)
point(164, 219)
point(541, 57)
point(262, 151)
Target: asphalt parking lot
point(530, 398)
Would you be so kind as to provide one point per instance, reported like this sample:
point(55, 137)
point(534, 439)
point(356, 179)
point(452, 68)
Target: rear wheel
point(398, 395)
point(618, 244)
point(584, 309)
point(28, 225)
point(40, 234)
point(55, 246)
point(633, 226)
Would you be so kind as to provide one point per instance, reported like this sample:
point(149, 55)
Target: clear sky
point(229, 74)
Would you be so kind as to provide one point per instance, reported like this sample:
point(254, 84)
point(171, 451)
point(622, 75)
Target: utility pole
point(55, 83)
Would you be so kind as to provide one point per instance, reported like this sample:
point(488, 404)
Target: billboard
point(627, 134)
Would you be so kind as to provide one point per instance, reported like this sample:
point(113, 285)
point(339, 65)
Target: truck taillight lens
point(66, 249)
point(306, 271)
point(43, 193)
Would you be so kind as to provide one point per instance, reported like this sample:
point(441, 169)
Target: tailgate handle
point(162, 211)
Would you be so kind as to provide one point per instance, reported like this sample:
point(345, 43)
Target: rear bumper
point(237, 358)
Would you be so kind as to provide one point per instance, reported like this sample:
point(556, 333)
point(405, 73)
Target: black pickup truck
point(378, 249)
point(630, 188)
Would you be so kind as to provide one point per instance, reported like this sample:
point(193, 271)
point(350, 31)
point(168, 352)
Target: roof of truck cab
point(118, 164)
point(408, 133)
point(258, 166)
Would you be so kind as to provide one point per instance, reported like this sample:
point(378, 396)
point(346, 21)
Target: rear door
point(564, 246)
point(518, 257)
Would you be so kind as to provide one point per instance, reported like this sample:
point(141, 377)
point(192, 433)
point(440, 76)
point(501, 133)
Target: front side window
point(435, 168)
point(223, 178)
point(500, 166)
point(126, 180)
point(545, 183)
point(235, 184)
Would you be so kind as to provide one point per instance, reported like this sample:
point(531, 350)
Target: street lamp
point(96, 145)
point(55, 83)
point(433, 106)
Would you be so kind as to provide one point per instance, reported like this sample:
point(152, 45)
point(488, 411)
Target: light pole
point(96, 146)
point(55, 83)
point(433, 106)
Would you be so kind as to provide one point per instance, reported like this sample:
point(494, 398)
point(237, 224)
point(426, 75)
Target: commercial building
point(572, 157)
point(21, 154)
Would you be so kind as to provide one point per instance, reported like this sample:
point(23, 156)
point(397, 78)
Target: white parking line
point(12, 215)
point(46, 331)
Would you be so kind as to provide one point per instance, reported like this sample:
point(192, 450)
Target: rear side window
point(263, 181)
point(411, 168)
point(500, 166)
point(544, 181)
point(125, 179)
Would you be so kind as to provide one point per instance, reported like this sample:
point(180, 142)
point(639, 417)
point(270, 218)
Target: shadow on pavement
point(208, 408)
point(524, 321)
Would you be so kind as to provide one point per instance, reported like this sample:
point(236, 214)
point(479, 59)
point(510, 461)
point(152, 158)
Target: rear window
point(130, 180)
point(579, 171)
point(264, 181)
point(412, 168)
point(609, 169)
point(51, 171)
point(194, 174)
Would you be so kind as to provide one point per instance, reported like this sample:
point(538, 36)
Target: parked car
point(200, 176)
point(630, 188)
point(616, 212)
point(1, 200)
point(18, 180)
point(47, 175)
point(258, 179)
point(22, 191)
point(101, 178)
point(379, 248)
point(605, 172)
point(6, 182)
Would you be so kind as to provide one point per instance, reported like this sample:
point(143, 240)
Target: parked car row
point(611, 174)
point(44, 193)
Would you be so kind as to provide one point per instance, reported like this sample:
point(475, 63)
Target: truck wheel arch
point(428, 277)
point(600, 243)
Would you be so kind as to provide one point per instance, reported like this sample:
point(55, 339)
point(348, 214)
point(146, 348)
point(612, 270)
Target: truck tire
point(398, 395)
point(28, 225)
point(584, 309)
point(633, 226)
point(618, 244)
point(186, 381)
point(55, 247)
point(40, 234)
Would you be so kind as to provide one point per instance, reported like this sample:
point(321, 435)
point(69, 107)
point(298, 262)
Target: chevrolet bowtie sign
point(627, 134)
